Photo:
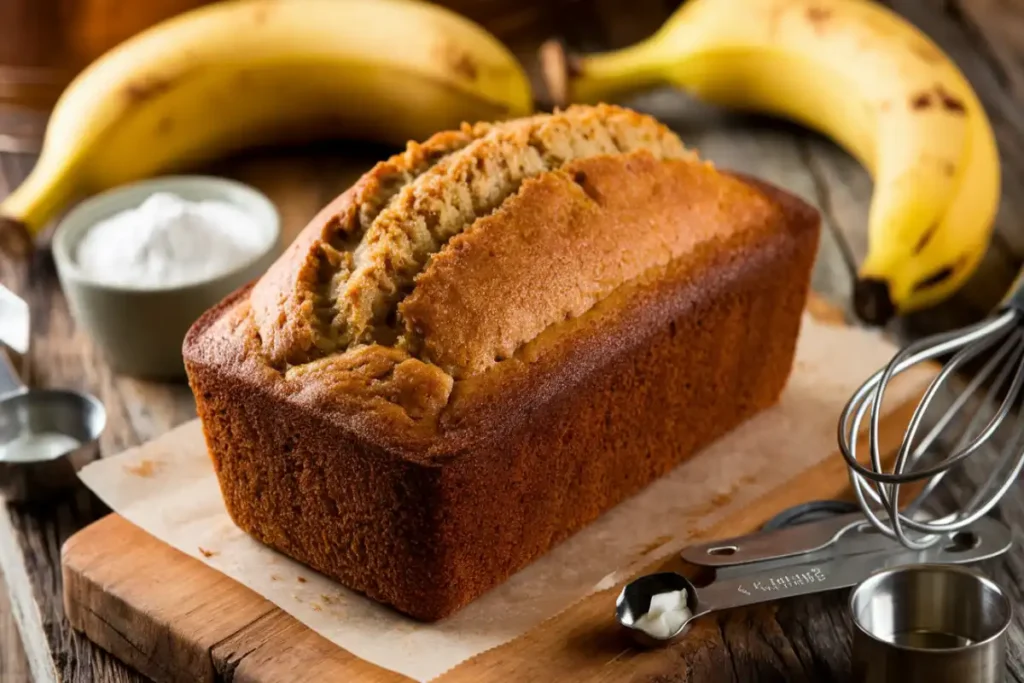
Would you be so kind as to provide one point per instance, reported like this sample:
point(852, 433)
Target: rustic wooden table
point(809, 638)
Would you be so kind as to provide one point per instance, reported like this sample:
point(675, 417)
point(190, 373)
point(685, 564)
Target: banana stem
point(612, 75)
point(39, 198)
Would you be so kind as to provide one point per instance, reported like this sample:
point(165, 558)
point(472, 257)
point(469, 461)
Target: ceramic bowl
point(140, 330)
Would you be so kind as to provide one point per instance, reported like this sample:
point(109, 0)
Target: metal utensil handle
point(992, 538)
point(10, 382)
point(1015, 295)
point(15, 321)
point(774, 545)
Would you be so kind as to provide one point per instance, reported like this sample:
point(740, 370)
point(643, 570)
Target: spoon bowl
point(46, 437)
point(634, 602)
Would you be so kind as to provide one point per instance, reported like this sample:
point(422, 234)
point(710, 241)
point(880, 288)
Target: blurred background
point(45, 43)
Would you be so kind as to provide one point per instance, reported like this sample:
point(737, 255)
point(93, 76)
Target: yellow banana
point(865, 77)
point(246, 72)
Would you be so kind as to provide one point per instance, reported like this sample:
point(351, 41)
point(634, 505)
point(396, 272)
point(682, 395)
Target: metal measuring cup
point(929, 623)
point(46, 435)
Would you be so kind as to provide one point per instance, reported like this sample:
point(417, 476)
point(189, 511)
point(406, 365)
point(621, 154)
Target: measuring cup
point(46, 435)
point(929, 624)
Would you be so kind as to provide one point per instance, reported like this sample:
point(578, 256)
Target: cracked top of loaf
point(455, 267)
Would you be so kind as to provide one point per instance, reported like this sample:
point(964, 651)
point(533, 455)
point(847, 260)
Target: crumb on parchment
point(143, 468)
point(206, 553)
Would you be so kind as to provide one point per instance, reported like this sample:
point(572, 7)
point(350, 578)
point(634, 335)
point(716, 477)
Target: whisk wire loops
point(877, 490)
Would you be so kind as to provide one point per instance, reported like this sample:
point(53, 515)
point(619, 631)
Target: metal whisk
point(878, 491)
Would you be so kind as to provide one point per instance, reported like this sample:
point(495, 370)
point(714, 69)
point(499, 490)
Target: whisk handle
point(1015, 296)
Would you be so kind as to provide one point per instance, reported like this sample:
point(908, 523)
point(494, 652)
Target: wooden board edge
point(110, 615)
point(117, 640)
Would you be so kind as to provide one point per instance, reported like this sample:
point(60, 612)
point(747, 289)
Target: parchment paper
point(168, 488)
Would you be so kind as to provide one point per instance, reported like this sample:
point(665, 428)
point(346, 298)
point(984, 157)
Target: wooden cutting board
point(174, 619)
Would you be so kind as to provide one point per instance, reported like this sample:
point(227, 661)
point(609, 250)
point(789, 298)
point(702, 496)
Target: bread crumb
point(825, 312)
point(721, 499)
point(316, 607)
point(207, 553)
point(275, 577)
point(145, 468)
point(302, 579)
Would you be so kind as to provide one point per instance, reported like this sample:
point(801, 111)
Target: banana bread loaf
point(491, 339)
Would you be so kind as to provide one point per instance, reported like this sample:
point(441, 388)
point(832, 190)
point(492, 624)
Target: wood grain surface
point(807, 639)
point(13, 664)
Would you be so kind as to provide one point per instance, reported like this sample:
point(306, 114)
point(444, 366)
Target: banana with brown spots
point(860, 74)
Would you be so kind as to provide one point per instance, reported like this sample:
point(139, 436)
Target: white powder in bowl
point(168, 241)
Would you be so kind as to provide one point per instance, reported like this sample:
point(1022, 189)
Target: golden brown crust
point(294, 301)
point(337, 283)
point(467, 185)
point(642, 309)
point(562, 244)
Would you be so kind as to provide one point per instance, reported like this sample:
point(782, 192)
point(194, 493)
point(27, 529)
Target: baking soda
point(168, 241)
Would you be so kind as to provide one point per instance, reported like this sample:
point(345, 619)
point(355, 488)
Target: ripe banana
point(860, 74)
point(247, 72)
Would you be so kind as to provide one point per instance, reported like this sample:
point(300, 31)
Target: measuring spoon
point(46, 435)
point(799, 565)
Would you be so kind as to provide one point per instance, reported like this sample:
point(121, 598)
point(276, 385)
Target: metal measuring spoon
point(810, 558)
point(46, 435)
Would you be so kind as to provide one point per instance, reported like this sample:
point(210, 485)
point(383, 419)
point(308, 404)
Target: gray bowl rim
point(69, 269)
point(932, 567)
